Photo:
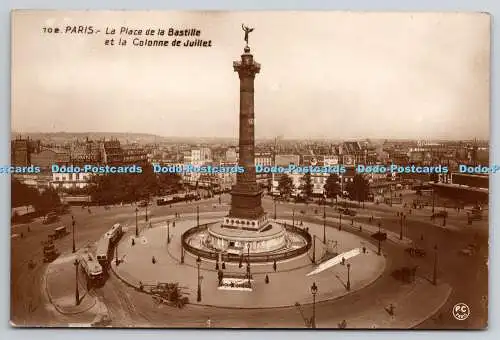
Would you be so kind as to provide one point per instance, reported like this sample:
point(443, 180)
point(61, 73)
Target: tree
point(359, 188)
point(169, 182)
point(332, 186)
point(285, 185)
point(47, 201)
point(21, 194)
point(306, 187)
point(434, 177)
point(269, 184)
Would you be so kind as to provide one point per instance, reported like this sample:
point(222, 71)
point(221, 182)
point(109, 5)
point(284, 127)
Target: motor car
point(466, 252)
point(415, 252)
point(441, 214)
point(49, 218)
point(143, 204)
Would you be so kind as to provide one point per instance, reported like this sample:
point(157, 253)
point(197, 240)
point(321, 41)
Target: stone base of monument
point(272, 241)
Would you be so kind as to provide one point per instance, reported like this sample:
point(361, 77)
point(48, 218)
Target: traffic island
point(284, 287)
point(60, 287)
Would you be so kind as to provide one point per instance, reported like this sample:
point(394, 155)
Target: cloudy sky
point(324, 74)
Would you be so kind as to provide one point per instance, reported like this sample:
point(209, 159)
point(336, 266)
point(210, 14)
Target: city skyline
point(379, 66)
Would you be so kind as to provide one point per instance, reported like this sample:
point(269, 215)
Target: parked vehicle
point(50, 218)
point(440, 214)
point(143, 204)
point(416, 252)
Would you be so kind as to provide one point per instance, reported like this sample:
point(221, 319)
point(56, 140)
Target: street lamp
point(293, 217)
point(379, 252)
point(324, 224)
point(314, 249)
point(168, 233)
point(198, 262)
point(275, 208)
point(147, 203)
point(314, 291)
point(248, 263)
point(73, 224)
point(77, 293)
point(136, 223)
point(434, 278)
point(401, 227)
point(433, 199)
point(348, 276)
point(198, 216)
point(340, 221)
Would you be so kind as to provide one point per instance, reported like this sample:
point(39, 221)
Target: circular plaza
point(279, 278)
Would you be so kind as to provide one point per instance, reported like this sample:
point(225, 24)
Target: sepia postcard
point(224, 169)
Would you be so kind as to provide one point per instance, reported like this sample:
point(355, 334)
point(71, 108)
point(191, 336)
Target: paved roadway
point(467, 275)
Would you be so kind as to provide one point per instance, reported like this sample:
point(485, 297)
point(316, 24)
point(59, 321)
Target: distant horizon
point(14, 133)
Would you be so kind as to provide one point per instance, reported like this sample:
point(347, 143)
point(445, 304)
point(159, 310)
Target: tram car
point(92, 269)
point(102, 251)
point(106, 244)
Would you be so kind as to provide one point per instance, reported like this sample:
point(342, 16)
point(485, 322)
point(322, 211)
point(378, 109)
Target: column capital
point(246, 66)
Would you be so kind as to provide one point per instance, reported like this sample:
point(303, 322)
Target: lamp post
point(314, 249)
point(73, 225)
point(168, 233)
point(340, 221)
point(198, 216)
point(401, 227)
point(147, 203)
point(116, 256)
point(434, 278)
point(198, 262)
point(275, 208)
point(314, 291)
point(77, 293)
point(293, 217)
point(248, 264)
point(405, 225)
point(324, 224)
point(136, 223)
point(433, 200)
point(348, 276)
point(379, 252)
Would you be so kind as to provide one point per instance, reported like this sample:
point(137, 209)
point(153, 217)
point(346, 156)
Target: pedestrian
point(267, 279)
point(153, 260)
point(274, 265)
point(209, 323)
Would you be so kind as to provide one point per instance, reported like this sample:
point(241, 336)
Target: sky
point(323, 75)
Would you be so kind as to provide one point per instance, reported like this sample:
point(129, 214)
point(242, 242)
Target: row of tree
point(42, 202)
point(357, 190)
point(112, 188)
